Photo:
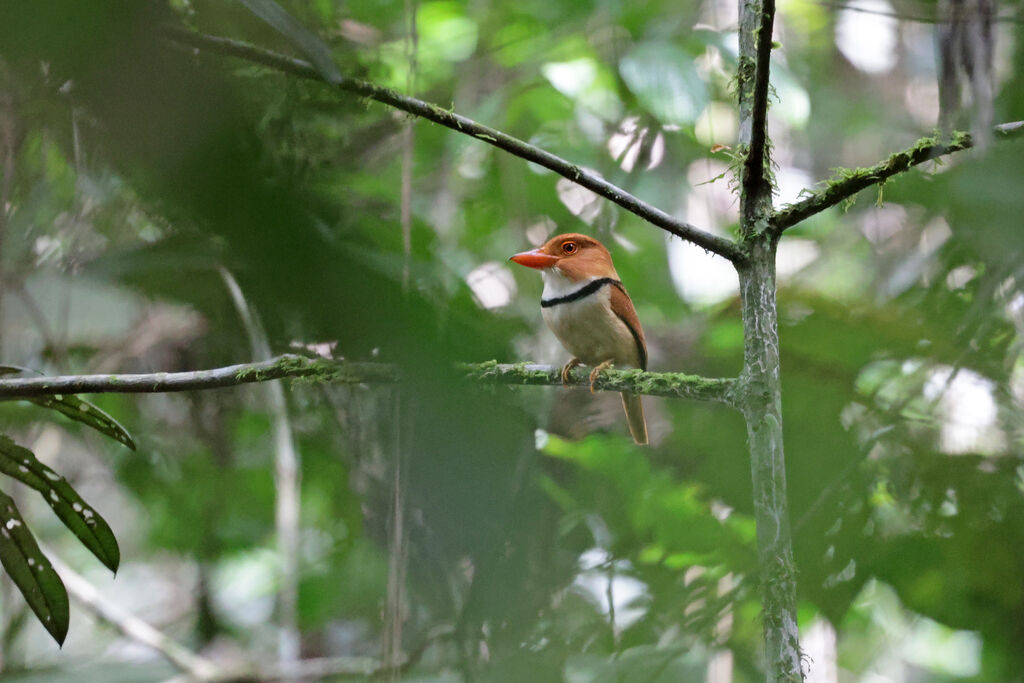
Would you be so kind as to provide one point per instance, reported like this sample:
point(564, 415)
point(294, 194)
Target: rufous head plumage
point(577, 257)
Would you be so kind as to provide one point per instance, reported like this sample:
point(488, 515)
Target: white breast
point(587, 327)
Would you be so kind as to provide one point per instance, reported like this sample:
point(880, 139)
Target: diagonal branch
point(852, 182)
point(198, 668)
point(593, 182)
point(668, 384)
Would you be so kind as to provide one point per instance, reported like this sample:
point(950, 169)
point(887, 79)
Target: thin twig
point(197, 667)
point(719, 245)
point(667, 384)
point(854, 181)
point(287, 482)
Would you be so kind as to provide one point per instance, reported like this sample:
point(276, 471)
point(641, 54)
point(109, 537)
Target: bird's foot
point(597, 371)
point(568, 367)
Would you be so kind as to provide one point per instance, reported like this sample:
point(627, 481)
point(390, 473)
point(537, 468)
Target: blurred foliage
point(139, 168)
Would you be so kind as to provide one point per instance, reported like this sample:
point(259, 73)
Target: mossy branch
point(667, 384)
point(849, 182)
point(328, 371)
point(225, 46)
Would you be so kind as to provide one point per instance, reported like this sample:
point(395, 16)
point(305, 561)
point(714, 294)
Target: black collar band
point(585, 290)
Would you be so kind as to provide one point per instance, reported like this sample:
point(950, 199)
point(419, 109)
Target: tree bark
point(761, 404)
point(761, 380)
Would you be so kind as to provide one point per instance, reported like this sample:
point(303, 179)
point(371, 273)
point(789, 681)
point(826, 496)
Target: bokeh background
point(169, 209)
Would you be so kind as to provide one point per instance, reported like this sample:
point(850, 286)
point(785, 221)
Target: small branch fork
point(762, 399)
point(854, 181)
point(719, 245)
point(668, 384)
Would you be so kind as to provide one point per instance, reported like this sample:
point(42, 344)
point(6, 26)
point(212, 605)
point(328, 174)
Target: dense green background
point(140, 167)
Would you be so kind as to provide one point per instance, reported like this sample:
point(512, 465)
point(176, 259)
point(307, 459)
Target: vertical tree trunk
point(762, 409)
point(762, 385)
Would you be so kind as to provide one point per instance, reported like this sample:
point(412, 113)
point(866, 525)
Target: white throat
point(558, 285)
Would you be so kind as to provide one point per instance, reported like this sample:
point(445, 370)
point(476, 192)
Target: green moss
point(745, 72)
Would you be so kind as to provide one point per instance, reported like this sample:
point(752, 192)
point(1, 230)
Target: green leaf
point(84, 522)
point(309, 43)
point(79, 410)
point(89, 414)
point(31, 572)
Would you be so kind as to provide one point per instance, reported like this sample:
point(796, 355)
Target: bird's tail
point(634, 407)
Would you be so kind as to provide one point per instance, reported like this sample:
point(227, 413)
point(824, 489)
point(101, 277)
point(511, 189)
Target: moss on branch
point(845, 183)
point(668, 384)
point(334, 371)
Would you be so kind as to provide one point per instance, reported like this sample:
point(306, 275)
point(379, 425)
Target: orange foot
point(596, 371)
point(569, 366)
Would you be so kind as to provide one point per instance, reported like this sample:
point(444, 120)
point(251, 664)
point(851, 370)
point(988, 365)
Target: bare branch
point(226, 46)
point(246, 373)
point(668, 384)
point(197, 667)
point(194, 666)
point(853, 181)
point(287, 486)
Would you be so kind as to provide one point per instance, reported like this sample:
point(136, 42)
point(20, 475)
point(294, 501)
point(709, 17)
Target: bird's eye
point(569, 247)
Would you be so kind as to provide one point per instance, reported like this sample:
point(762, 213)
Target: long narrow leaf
point(299, 36)
point(31, 572)
point(84, 522)
point(79, 410)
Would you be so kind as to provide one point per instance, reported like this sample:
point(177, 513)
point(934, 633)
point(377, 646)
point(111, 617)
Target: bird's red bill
point(535, 258)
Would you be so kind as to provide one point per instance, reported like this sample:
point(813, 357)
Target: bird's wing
point(622, 306)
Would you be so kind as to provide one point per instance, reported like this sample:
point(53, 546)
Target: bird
point(586, 306)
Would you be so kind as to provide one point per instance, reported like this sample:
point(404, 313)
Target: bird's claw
point(597, 371)
point(567, 368)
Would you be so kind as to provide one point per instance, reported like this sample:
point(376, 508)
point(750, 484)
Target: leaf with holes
point(299, 36)
point(84, 522)
point(31, 572)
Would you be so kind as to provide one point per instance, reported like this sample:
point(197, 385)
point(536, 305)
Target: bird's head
point(576, 257)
